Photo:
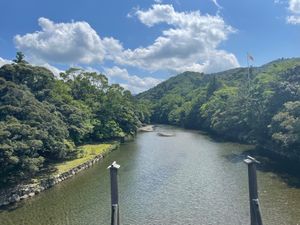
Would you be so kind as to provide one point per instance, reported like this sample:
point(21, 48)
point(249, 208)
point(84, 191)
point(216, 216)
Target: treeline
point(260, 105)
point(44, 118)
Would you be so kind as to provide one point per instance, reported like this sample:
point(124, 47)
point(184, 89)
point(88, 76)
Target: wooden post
point(115, 217)
point(253, 194)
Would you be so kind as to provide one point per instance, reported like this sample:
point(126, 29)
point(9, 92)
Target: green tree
point(20, 58)
point(31, 131)
point(285, 130)
point(39, 79)
point(227, 104)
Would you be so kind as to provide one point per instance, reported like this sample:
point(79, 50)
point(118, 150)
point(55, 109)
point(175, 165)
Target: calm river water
point(185, 179)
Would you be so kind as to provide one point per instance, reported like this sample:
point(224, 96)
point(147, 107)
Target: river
point(186, 179)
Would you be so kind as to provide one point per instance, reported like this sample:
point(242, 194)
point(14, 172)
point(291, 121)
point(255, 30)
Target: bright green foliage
point(118, 110)
point(219, 112)
point(88, 152)
point(143, 110)
point(74, 113)
point(285, 129)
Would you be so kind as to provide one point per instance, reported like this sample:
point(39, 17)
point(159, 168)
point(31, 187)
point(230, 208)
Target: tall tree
point(20, 58)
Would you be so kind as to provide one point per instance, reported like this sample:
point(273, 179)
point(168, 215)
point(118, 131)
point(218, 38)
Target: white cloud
point(133, 83)
point(74, 42)
point(278, 1)
point(4, 61)
point(53, 69)
point(191, 42)
point(218, 61)
point(294, 6)
point(217, 4)
point(294, 9)
point(293, 19)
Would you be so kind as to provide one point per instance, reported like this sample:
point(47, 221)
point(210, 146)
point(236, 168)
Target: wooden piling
point(115, 215)
point(255, 214)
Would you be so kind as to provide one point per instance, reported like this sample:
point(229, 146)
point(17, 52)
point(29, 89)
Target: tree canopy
point(262, 109)
point(44, 118)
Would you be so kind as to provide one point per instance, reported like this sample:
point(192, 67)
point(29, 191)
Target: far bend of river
point(186, 179)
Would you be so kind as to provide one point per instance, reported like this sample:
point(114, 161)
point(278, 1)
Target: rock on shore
point(148, 128)
point(25, 191)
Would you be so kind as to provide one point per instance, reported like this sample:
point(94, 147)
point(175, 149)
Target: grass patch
point(88, 152)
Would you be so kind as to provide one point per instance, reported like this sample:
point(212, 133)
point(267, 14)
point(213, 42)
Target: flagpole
point(248, 70)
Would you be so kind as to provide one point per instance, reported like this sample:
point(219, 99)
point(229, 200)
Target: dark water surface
point(185, 179)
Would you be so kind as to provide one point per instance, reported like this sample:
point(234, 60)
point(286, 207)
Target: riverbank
point(208, 175)
point(91, 154)
point(266, 150)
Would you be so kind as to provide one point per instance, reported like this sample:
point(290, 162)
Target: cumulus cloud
point(74, 42)
point(191, 42)
point(294, 6)
point(4, 61)
point(217, 4)
point(133, 83)
point(294, 19)
point(53, 69)
point(294, 9)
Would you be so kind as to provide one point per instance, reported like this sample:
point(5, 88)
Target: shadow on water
point(12, 207)
point(286, 170)
point(44, 173)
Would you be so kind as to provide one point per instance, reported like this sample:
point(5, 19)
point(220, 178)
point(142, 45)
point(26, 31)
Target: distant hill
point(188, 81)
point(260, 106)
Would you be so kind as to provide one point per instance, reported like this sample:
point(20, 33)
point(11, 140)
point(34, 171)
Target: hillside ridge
point(261, 107)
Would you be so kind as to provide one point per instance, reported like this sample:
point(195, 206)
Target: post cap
point(114, 165)
point(251, 160)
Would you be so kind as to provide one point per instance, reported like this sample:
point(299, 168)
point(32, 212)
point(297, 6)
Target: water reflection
point(185, 179)
point(289, 172)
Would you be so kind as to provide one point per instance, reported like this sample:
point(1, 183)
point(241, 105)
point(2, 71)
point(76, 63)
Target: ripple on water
point(185, 179)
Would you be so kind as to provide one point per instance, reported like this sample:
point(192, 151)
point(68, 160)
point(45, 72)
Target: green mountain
point(260, 105)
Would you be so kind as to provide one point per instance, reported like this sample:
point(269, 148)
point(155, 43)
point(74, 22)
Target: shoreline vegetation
point(91, 154)
point(48, 119)
point(257, 105)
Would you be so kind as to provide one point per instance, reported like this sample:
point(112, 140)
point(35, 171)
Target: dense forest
point(44, 118)
point(258, 105)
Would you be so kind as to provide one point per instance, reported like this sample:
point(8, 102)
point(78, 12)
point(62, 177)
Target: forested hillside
point(44, 118)
point(260, 105)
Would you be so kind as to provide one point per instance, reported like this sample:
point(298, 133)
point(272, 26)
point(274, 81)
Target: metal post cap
point(251, 160)
point(114, 165)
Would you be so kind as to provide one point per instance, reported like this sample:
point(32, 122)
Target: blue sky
point(141, 43)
